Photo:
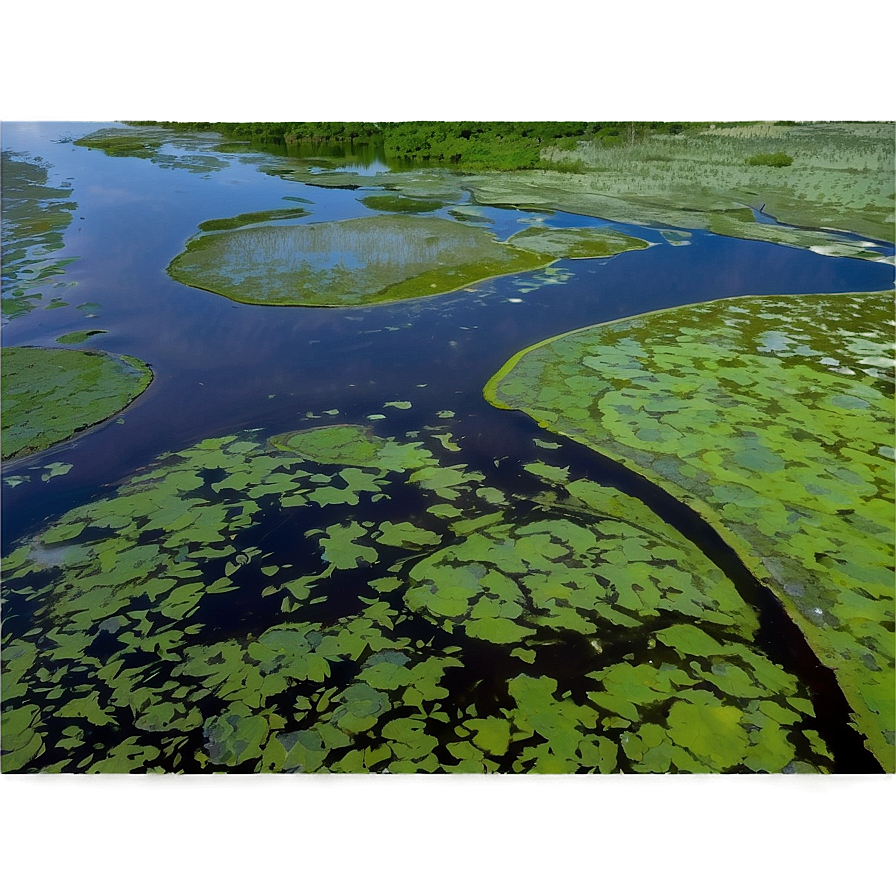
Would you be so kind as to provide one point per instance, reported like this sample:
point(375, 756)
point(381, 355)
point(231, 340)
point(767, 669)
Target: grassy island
point(363, 261)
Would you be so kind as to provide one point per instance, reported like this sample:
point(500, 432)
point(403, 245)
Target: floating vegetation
point(78, 336)
point(377, 259)
point(841, 179)
point(141, 143)
point(823, 242)
point(147, 143)
point(468, 214)
point(35, 217)
point(576, 242)
point(159, 628)
point(355, 262)
point(277, 214)
point(676, 237)
point(767, 416)
point(392, 202)
point(50, 394)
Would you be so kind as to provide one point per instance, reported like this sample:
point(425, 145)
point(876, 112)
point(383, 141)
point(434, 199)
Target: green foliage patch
point(391, 202)
point(376, 259)
point(773, 418)
point(50, 394)
point(576, 242)
point(277, 214)
point(697, 180)
point(354, 262)
point(129, 660)
point(771, 159)
point(148, 143)
point(79, 336)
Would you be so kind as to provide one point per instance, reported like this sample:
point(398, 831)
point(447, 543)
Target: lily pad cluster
point(35, 217)
point(332, 600)
point(773, 418)
point(50, 394)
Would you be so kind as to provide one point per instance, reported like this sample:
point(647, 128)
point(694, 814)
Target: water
point(221, 367)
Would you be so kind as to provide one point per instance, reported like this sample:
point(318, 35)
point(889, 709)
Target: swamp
point(534, 447)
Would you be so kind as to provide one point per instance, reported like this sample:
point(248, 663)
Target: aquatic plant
point(575, 242)
point(773, 418)
point(79, 336)
point(148, 142)
point(50, 394)
point(698, 180)
point(277, 214)
point(35, 217)
point(162, 628)
point(376, 259)
point(390, 202)
point(772, 159)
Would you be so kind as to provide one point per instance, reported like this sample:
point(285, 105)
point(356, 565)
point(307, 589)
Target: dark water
point(221, 367)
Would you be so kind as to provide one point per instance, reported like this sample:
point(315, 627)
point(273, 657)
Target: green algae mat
point(206, 616)
point(35, 217)
point(381, 258)
point(50, 394)
point(191, 150)
point(772, 418)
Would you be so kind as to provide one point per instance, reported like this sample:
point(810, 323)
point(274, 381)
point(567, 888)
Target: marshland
point(448, 447)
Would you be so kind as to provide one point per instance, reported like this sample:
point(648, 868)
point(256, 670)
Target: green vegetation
point(244, 220)
point(376, 259)
point(129, 143)
point(78, 336)
point(355, 262)
point(50, 394)
point(773, 419)
point(842, 179)
point(126, 661)
point(682, 175)
point(576, 242)
point(147, 143)
point(772, 159)
point(390, 202)
point(35, 217)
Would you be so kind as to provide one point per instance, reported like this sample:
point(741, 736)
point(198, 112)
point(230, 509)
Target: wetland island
point(516, 447)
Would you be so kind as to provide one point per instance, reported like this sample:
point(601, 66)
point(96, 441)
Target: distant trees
point(466, 145)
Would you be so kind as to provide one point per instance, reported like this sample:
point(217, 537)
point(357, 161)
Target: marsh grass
point(842, 178)
point(361, 261)
point(391, 202)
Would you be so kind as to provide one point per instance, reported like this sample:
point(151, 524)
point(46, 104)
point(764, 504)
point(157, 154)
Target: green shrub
point(771, 159)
